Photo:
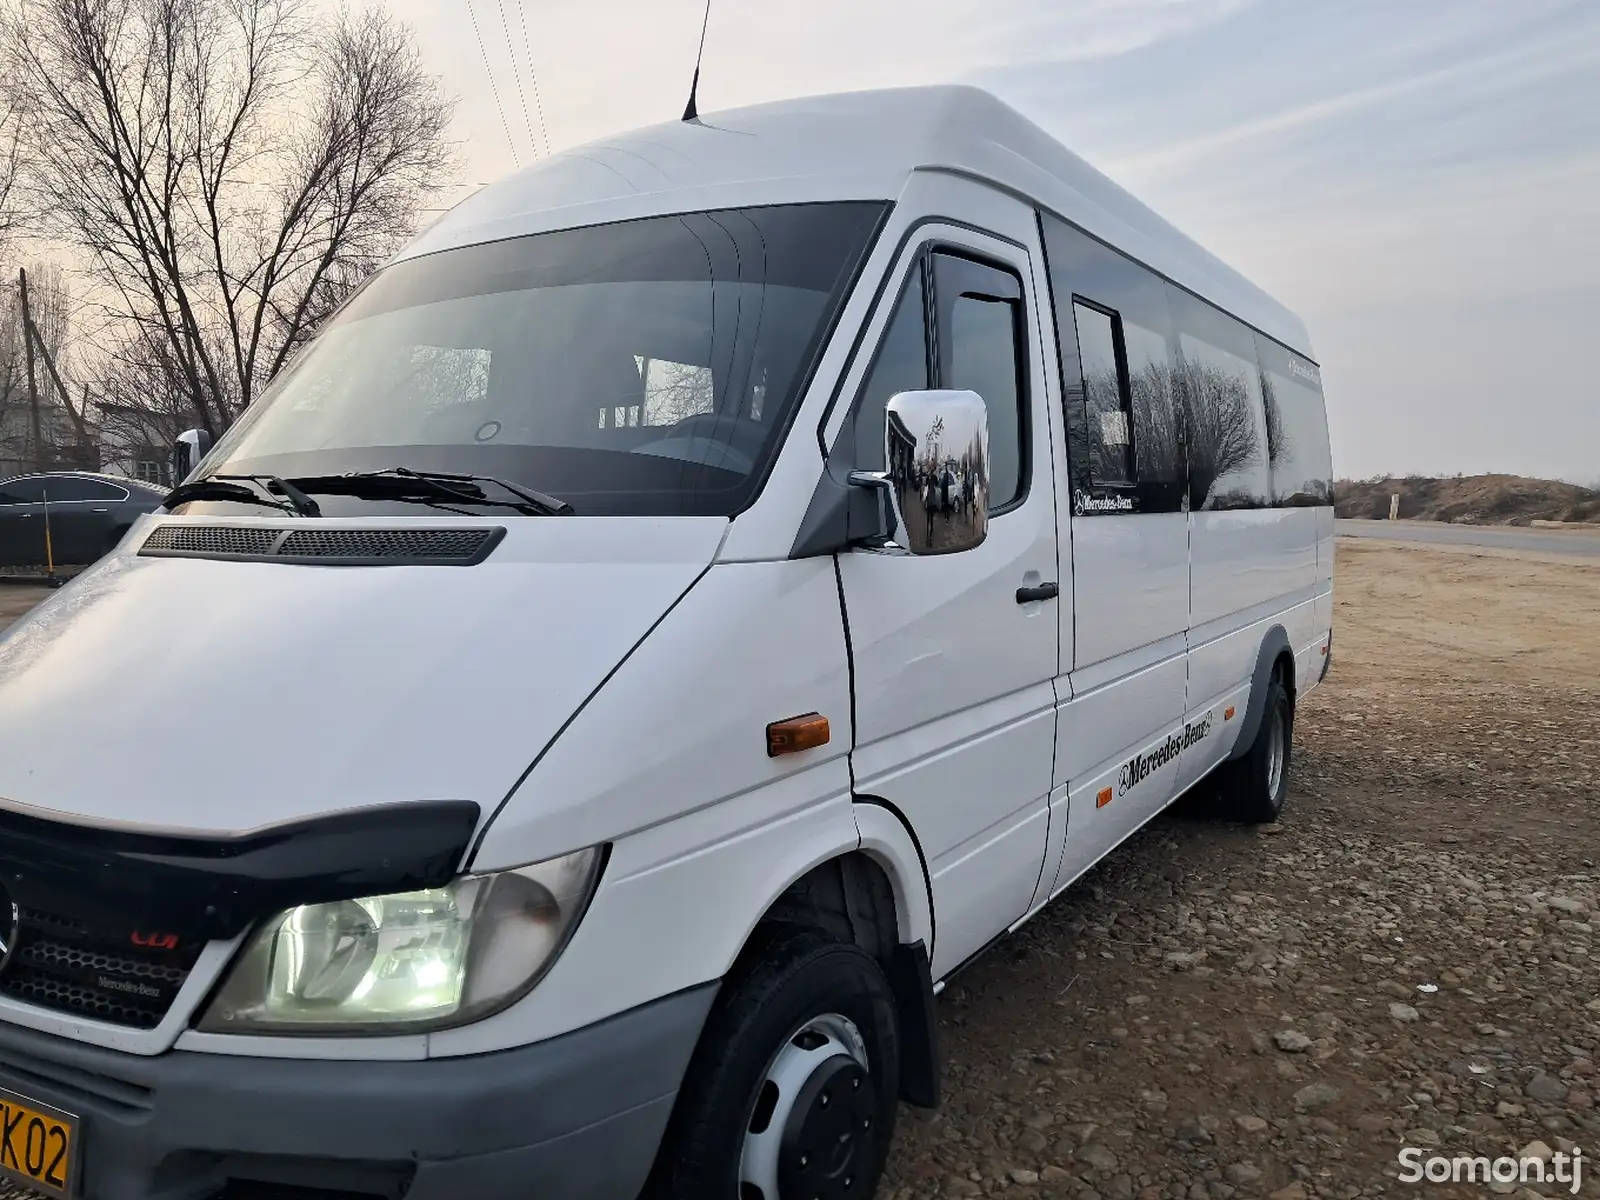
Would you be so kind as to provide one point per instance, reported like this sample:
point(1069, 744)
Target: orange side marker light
point(797, 734)
point(1103, 799)
point(1227, 713)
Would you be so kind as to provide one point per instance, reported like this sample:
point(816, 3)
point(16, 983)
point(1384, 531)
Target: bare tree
point(142, 406)
point(13, 383)
point(10, 160)
point(1221, 433)
point(230, 168)
point(66, 435)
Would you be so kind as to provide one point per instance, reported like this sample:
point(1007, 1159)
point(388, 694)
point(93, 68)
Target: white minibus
point(694, 599)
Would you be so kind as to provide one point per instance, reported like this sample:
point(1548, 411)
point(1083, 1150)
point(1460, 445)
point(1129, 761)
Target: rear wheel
point(792, 1091)
point(1253, 787)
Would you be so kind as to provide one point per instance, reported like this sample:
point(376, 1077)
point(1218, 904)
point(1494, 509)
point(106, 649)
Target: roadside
point(1583, 541)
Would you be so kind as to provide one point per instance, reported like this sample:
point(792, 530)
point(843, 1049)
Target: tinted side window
point(979, 337)
point(1297, 427)
point(1105, 396)
point(1088, 277)
point(68, 490)
point(23, 491)
point(901, 366)
point(1224, 415)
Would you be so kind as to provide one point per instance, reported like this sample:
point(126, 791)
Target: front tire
point(792, 1092)
point(1254, 786)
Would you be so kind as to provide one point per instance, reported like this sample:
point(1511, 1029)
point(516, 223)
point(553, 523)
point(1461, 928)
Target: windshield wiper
point(231, 487)
point(432, 487)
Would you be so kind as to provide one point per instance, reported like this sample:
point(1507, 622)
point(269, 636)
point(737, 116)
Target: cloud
point(1539, 62)
point(1416, 179)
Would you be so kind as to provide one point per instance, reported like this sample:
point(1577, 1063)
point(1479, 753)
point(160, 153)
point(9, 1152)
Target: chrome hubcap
point(812, 1128)
point(1275, 755)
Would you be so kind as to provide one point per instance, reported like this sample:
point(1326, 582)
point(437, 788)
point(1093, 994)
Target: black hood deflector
point(216, 886)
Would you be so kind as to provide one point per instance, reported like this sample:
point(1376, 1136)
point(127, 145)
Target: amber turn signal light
point(797, 734)
point(1227, 713)
point(1103, 799)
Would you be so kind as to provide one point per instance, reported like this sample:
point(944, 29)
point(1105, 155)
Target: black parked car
point(88, 515)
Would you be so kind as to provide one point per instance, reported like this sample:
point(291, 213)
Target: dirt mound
point(1469, 499)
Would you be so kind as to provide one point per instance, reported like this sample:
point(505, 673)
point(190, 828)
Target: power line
point(483, 50)
point(527, 45)
point(516, 74)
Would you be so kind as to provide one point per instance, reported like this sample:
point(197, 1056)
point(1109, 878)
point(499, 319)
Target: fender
point(1275, 642)
point(888, 840)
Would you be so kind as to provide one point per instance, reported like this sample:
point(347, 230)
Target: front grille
point(324, 547)
point(68, 965)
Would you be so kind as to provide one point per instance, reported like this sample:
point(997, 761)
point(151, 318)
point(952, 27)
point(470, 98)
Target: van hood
point(222, 696)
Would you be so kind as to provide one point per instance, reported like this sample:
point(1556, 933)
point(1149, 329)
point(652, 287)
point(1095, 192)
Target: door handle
point(1032, 595)
point(100, 510)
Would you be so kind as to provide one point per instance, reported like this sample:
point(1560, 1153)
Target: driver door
point(954, 674)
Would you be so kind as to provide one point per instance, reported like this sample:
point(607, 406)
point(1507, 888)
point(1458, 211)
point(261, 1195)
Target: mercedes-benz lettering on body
point(697, 597)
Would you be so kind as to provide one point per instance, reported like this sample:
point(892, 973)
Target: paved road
point(1506, 538)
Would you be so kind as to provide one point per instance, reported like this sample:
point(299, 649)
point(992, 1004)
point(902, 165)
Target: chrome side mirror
point(936, 485)
point(192, 445)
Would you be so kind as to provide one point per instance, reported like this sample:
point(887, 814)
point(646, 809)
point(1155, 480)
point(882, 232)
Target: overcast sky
point(1420, 180)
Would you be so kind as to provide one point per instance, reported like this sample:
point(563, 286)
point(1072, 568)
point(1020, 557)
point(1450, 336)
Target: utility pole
point(33, 384)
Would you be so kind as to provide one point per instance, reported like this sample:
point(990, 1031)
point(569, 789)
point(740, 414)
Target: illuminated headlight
point(409, 961)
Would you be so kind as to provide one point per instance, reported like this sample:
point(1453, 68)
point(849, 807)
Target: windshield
point(647, 367)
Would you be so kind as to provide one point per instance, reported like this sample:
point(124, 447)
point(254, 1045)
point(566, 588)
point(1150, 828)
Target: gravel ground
point(1405, 960)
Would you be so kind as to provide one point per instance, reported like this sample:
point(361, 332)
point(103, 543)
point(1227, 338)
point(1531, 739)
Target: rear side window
point(1297, 427)
point(1107, 404)
point(1114, 335)
point(68, 490)
point(1225, 425)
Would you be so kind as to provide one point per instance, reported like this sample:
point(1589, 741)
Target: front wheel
point(791, 1094)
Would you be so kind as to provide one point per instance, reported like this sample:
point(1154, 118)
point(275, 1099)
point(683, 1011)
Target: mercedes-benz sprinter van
point(693, 600)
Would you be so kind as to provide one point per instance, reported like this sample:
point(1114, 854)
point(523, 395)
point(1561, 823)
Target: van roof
point(847, 146)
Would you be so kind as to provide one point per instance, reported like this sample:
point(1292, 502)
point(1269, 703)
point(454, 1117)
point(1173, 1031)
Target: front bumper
point(578, 1117)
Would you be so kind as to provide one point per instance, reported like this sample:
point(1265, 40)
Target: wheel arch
point(1274, 651)
point(876, 895)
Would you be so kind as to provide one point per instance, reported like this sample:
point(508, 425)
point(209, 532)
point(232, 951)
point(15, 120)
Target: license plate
point(38, 1145)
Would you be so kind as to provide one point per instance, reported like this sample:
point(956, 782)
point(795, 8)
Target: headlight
point(414, 960)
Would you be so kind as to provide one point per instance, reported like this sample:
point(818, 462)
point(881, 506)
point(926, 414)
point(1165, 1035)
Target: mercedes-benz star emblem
point(9, 921)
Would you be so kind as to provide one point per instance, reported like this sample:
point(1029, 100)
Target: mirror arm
point(880, 483)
